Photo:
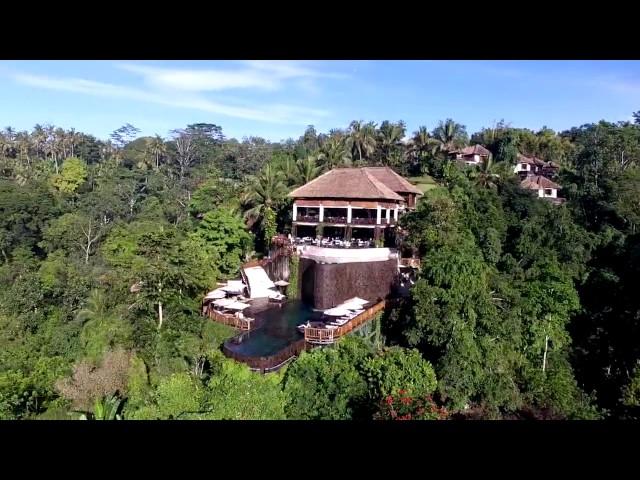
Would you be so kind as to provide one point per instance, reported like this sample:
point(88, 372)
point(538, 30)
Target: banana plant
point(105, 408)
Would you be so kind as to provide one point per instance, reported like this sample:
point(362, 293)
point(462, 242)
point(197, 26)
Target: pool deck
point(275, 340)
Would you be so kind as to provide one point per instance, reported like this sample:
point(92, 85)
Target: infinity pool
point(276, 330)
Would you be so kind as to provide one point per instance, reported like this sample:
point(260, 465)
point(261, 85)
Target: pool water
point(277, 329)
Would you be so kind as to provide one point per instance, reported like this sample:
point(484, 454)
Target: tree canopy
point(520, 308)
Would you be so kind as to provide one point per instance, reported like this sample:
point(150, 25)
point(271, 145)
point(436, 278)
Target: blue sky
point(277, 99)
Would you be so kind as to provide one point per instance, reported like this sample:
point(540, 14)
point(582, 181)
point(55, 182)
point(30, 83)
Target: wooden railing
point(268, 363)
point(313, 337)
point(324, 336)
point(319, 336)
point(231, 320)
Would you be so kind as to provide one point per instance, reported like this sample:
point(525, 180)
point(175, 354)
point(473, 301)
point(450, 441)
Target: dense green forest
point(523, 309)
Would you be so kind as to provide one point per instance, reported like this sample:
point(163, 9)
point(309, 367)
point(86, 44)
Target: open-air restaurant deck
point(334, 242)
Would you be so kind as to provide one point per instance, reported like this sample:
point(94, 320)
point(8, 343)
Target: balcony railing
point(363, 221)
point(342, 220)
point(308, 218)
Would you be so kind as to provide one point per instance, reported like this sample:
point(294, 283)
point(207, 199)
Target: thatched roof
point(536, 182)
point(392, 180)
point(380, 183)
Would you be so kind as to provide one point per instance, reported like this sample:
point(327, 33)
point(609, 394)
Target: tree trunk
point(544, 357)
point(159, 315)
point(88, 248)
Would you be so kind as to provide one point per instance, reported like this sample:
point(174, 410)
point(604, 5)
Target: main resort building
point(336, 279)
point(352, 206)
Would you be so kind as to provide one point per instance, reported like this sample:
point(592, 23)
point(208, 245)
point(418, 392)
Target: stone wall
point(325, 285)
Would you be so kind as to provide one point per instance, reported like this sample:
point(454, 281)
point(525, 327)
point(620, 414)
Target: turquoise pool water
point(277, 329)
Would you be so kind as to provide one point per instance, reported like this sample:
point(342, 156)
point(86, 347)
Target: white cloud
point(201, 80)
point(289, 69)
point(277, 113)
point(252, 74)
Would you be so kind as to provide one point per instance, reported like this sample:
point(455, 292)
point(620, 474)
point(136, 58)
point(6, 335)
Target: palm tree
point(307, 169)
point(263, 193)
point(94, 314)
point(390, 136)
point(23, 143)
point(74, 139)
point(39, 138)
point(488, 173)
point(422, 146)
point(61, 142)
point(157, 148)
point(6, 144)
point(450, 134)
point(49, 147)
point(335, 153)
point(361, 139)
point(288, 170)
point(95, 309)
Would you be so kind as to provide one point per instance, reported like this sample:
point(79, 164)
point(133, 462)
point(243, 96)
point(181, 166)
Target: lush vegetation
point(522, 308)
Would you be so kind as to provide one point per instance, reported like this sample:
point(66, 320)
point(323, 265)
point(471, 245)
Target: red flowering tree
point(405, 407)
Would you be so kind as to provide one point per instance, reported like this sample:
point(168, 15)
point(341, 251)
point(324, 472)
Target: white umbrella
point(282, 283)
point(218, 293)
point(223, 302)
point(357, 300)
point(337, 312)
point(237, 306)
point(233, 288)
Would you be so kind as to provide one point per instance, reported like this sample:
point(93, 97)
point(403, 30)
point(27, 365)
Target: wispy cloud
point(275, 113)
point(254, 74)
point(192, 88)
point(619, 85)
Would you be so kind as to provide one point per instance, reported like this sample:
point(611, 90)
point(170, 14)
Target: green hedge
point(294, 288)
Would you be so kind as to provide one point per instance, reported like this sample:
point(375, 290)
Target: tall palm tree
point(24, 143)
point(361, 139)
point(6, 144)
point(390, 137)
point(73, 138)
point(307, 169)
point(157, 148)
point(263, 193)
point(61, 142)
point(450, 134)
point(335, 153)
point(422, 146)
point(288, 171)
point(39, 138)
